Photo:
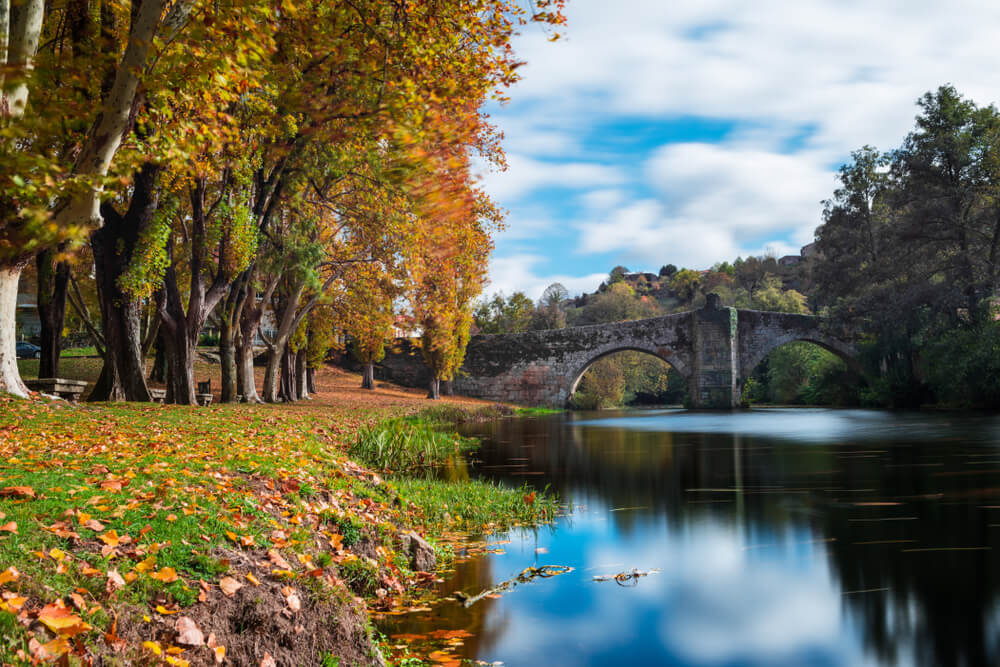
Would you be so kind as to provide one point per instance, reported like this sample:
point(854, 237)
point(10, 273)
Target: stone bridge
point(715, 348)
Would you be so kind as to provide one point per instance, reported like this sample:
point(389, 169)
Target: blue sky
point(691, 132)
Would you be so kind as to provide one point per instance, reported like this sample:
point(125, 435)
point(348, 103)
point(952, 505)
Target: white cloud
point(518, 273)
point(803, 83)
point(525, 175)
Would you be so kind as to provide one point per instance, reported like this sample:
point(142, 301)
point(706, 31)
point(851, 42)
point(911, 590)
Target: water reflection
point(784, 537)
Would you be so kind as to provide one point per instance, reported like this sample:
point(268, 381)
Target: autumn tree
point(368, 316)
point(53, 173)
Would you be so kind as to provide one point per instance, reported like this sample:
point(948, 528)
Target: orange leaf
point(8, 575)
point(17, 492)
point(9, 527)
point(110, 538)
point(166, 575)
point(61, 620)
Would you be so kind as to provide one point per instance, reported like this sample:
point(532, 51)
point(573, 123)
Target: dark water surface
point(784, 537)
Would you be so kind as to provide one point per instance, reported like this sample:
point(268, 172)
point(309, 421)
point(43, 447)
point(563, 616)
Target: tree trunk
point(311, 380)
point(287, 389)
point(280, 343)
point(180, 370)
point(229, 318)
point(227, 356)
point(246, 384)
point(158, 371)
point(368, 376)
point(123, 374)
point(182, 325)
point(434, 391)
point(53, 289)
point(10, 378)
point(301, 384)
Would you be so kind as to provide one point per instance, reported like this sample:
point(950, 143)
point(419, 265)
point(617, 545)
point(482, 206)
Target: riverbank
point(233, 534)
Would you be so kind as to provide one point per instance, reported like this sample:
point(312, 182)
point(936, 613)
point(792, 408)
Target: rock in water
point(422, 556)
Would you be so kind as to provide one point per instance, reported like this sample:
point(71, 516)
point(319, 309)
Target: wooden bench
point(71, 390)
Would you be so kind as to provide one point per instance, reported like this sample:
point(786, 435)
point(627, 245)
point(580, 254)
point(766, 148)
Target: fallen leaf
point(9, 527)
point(8, 575)
point(220, 654)
point(110, 538)
point(17, 492)
point(252, 579)
point(279, 560)
point(229, 586)
point(188, 633)
point(49, 651)
point(160, 609)
point(94, 525)
point(61, 620)
point(146, 565)
point(166, 575)
point(115, 581)
point(268, 661)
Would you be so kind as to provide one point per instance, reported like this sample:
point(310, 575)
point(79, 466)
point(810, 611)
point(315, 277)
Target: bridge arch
point(669, 356)
point(843, 350)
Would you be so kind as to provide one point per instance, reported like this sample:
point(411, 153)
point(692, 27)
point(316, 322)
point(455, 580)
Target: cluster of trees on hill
point(197, 160)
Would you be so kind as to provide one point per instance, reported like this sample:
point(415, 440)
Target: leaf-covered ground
point(233, 534)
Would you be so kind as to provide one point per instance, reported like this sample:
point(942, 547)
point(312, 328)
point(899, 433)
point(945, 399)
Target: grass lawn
point(116, 520)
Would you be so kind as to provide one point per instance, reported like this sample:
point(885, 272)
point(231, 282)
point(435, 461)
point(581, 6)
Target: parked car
point(26, 350)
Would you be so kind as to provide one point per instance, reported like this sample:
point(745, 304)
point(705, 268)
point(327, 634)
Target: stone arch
point(844, 350)
point(669, 356)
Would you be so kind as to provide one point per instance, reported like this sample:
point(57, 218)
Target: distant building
point(809, 250)
point(27, 322)
point(790, 260)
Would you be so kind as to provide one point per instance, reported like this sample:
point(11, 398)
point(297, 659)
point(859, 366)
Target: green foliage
point(617, 303)
point(602, 386)
point(685, 284)
point(360, 575)
point(144, 274)
point(617, 274)
point(498, 315)
point(963, 366)
point(667, 270)
point(801, 373)
point(771, 296)
point(907, 251)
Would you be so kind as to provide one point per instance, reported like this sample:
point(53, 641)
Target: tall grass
point(399, 445)
point(476, 504)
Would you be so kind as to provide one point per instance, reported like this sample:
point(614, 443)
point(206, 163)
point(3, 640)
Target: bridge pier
point(713, 384)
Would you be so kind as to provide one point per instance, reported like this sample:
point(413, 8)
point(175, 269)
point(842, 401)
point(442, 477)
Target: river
point(781, 536)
